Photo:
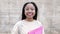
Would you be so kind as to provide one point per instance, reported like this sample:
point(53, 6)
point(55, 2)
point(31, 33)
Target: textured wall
point(49, 14)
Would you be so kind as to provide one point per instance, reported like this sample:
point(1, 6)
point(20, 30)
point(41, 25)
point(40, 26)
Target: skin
point(29, 12)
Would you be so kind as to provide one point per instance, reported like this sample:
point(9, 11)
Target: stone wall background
point(49, 14)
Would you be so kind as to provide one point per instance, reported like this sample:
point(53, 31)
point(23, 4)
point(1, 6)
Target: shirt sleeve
point(15, 29)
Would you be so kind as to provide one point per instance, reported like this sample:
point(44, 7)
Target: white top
point(23, 27)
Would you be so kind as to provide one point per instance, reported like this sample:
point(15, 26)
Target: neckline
point(29, 21)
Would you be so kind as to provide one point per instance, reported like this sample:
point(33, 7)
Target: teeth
point(29, 13)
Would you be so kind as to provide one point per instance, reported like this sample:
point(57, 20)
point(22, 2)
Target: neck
point(29, 19)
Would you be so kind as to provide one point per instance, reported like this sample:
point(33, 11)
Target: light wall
point(48, 15)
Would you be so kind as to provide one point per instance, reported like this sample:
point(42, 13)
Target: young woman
point(29, 23)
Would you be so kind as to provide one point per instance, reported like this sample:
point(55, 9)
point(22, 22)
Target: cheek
point(33, 12)
point(25, 13)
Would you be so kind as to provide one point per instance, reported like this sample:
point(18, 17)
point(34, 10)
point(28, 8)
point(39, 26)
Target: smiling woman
point(29, 23)
point(34, 9)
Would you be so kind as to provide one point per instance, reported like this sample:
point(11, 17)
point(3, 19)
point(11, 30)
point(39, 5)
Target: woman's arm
point(15, 29)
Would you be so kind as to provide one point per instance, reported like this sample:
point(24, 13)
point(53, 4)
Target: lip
point(30, 14)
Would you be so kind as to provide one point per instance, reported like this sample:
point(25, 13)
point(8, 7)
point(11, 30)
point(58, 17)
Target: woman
point(29, 23)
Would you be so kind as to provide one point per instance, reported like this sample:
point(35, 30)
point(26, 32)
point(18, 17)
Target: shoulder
point(39, 23)
point(19, 23)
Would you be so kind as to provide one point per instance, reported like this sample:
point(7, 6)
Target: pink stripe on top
point(37, 31)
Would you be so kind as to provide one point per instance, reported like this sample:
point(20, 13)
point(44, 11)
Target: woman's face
point(29, 11)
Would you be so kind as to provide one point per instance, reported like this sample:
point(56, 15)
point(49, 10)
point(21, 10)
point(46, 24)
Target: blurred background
point(49, 14)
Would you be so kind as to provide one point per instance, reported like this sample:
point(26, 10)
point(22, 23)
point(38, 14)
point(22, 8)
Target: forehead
point(30, 6)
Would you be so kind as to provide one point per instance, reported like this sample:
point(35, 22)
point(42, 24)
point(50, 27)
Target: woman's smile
point(29, 13)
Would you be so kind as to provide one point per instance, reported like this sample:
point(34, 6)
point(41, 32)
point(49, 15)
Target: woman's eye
point(27, 9)
point(32, 9)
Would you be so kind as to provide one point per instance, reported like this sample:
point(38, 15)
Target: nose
point(29, 10)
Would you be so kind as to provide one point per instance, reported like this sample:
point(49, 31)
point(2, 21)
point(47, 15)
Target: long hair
point(23, 10)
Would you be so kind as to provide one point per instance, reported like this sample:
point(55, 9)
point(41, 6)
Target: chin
point(30, 17)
